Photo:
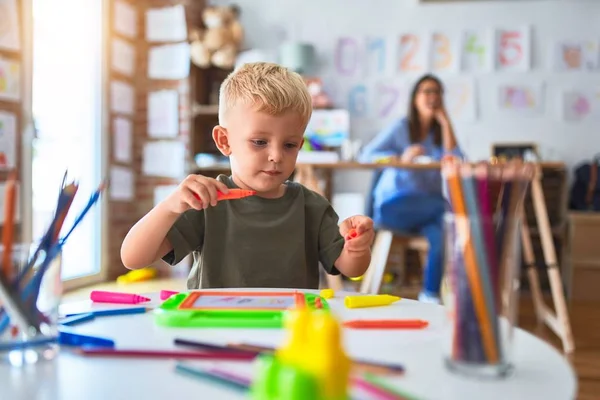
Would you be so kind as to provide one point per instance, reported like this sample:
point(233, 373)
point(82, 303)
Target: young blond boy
point(274, 239)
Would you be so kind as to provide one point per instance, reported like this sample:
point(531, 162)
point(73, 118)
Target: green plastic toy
point(230, 309)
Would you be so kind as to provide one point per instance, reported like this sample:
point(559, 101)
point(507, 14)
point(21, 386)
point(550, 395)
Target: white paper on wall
point(477, 50)
point(166, 24)
point(10, 80)
point(123, 57)
point(164, 158)
point(162, 192)
point(171, 61)
point(125, 19)
point(444, 52)
point(122, 184)
point(576, 55)
point(460, 98)
point(9, 25)
point(580, 104)
point(521, 98)
point(513, 49)
point(122, 97)
point(8, 140)
point(122, 143)
point(163, 114)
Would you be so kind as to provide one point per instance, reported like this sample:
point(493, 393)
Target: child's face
point(263, 147)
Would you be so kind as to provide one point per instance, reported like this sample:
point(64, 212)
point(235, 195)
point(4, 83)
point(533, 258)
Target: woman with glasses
point(410, 200)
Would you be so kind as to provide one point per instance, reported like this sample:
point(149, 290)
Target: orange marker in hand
point(351, 234)
point(233, 194)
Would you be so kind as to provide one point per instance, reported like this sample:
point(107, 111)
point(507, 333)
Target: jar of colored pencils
point(482, 267)
point(30, 294)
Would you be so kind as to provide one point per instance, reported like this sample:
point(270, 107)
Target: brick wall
point(14, 107)
point(123, 214)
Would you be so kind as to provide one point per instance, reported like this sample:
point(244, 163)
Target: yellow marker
point(370, 301)
point(327, 293)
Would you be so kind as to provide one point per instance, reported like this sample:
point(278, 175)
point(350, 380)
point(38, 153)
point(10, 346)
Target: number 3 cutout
point(511, 51)
point(409, 45)
point(441, 44)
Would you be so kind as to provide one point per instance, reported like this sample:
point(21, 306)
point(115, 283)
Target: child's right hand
point(196, 191)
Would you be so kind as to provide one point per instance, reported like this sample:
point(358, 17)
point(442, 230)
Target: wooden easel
point(557, 321)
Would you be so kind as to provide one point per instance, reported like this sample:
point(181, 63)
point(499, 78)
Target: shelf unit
point(204, 93)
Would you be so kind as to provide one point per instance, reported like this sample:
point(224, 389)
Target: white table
point(541, 371)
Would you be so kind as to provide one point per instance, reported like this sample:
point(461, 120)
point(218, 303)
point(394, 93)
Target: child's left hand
point(361, 241)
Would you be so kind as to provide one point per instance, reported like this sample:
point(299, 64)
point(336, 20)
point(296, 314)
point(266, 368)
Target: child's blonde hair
point(270, 87)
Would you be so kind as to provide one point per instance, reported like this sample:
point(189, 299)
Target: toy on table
point(165, 294)
point(327, 293)
point(370, 301)
point(101, 296)
point(312, 365)
point(138, 275)
point(231, 309)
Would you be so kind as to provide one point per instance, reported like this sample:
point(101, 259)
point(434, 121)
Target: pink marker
point(165, 294)
point(101, 296)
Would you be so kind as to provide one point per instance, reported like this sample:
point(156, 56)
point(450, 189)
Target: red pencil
point(386, 324)
point(230, 356)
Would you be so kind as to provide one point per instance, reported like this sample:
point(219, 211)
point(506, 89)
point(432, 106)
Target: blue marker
point(74, 339)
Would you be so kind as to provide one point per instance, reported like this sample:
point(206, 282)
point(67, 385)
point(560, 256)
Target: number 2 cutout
point(409, 47)
point(441, 44)
point(511, 50)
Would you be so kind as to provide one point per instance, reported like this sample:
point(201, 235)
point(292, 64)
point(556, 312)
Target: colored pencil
point(10, 199)
point(386, 324)
point(143, 353)
point(358, 365)
point(228, 379)
point(461, 222)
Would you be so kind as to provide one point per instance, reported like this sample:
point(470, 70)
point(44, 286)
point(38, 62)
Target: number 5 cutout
point(513, 49)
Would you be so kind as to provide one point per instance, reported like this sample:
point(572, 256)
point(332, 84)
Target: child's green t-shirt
point(258, 242)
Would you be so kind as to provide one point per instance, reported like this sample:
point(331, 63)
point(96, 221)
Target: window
point(67, 110)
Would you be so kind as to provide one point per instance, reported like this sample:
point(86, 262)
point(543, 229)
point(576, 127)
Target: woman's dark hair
point(414, 123)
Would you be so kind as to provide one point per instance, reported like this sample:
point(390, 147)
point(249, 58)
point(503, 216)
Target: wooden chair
point(382, 245)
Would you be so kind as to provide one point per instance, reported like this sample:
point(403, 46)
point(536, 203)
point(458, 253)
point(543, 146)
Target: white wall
point(322, 22)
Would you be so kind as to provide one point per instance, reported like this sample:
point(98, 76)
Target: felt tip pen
point(232, 194)
point(101, 296)
point(386, 324)
point(74, 339)
point(370, 300)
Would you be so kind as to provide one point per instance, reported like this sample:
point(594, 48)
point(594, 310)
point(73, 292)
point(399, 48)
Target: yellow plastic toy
point(311, 365)
point(137, 275)
point(370, 301)
point(327, 293)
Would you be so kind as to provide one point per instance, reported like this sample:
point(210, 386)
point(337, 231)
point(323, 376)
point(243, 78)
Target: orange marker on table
point(233, 194)
point(387, 324)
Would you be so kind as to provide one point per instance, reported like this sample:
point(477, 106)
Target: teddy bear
point(220, 41)
point(319, 98)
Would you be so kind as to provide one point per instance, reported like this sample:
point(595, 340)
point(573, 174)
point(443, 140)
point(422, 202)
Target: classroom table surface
point(541, 372)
